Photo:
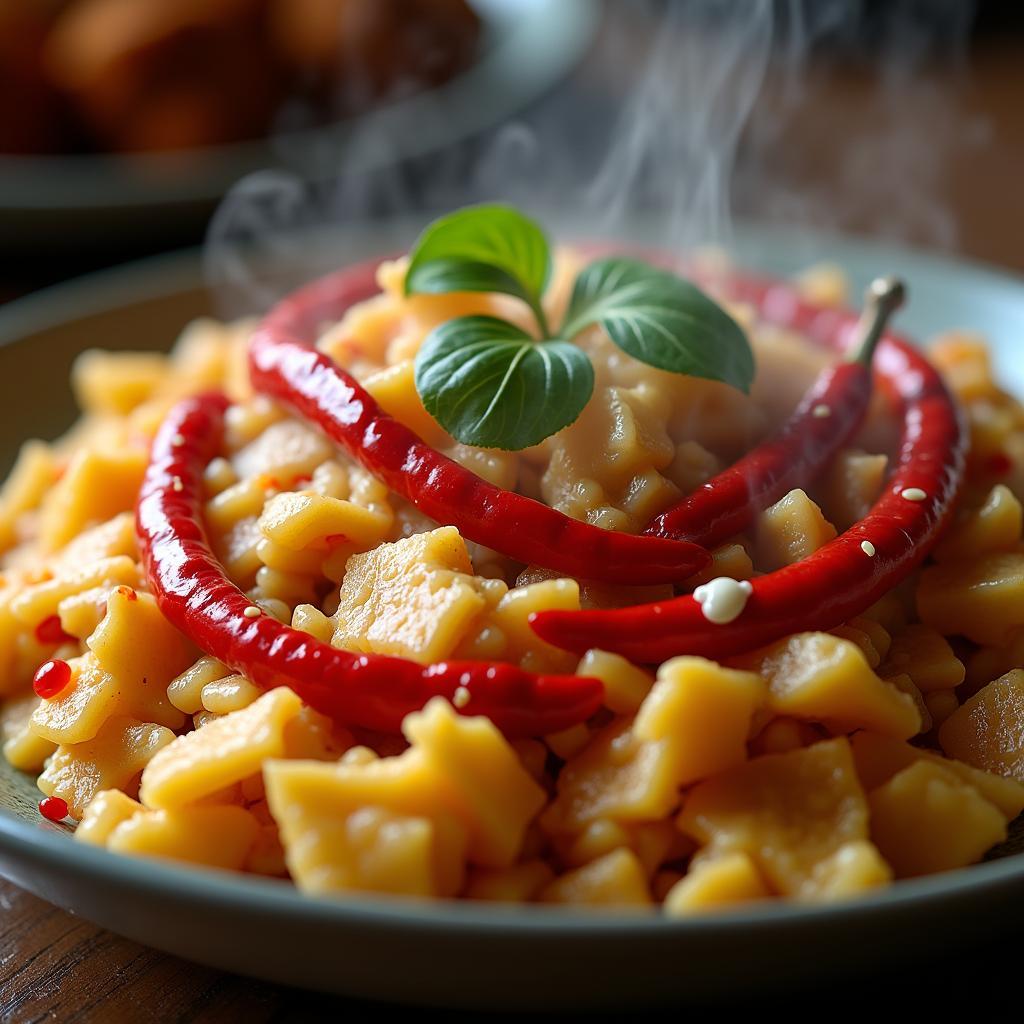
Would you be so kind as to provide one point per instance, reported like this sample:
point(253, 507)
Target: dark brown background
point(55, 967)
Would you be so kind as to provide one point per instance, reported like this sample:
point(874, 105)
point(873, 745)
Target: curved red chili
point(283, 366)
point(372, 691)
point(847, 575)
point(828, 415)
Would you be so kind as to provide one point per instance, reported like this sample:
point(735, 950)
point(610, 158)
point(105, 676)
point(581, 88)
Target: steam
point(690, 130)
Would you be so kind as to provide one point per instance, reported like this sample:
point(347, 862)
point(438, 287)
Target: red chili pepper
point(847, 575)
point(50, 631)
point(53, 808)
point(283, 366)
point(829, 414)
point(371, 691)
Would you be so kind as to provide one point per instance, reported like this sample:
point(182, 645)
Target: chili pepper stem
point(881, 299)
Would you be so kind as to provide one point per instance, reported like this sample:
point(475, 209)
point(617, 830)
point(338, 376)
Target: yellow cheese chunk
point(987, 730)
point(107, 540)
point(96, 485)
point(285, 450)
point(415, 598)
point(614, 880)
point(879, 758)
point(300, 520)
point(511, 617)
point(107, 809)
point(111, 760)
point(791, 813)
point(221, 753)
point(93, 696)
point(979, 598)
point(137, 645)
point(496, 798)
point(926, 656)
point(790, 530)
point(702, 712)
point(216, 837)
point(726, 881)
point(824, 678)
point(925, 819)
point(23, 749)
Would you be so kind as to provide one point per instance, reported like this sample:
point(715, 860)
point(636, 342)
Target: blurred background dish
point(123, 123)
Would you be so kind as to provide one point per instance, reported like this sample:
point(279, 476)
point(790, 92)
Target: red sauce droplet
point(51, 677)
point(127, 593)
point(53, 808)
point(50, 631)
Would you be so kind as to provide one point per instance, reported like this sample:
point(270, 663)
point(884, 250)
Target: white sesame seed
point(913, 494)
point(461, 697)
point(178, 440)
point(868, 548)
point(177, 485)
point(821, 411)
point(252, 612)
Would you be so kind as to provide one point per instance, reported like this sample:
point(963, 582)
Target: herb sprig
point(490, 383)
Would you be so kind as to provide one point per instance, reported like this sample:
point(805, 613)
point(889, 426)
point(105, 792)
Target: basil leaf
point(488, 248)
point(488, 383)
point(661, 320)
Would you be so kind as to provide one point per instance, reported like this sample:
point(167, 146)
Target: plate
point(526, 47)
point(477, 955)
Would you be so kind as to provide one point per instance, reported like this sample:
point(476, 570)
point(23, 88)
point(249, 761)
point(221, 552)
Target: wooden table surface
point(57, 967)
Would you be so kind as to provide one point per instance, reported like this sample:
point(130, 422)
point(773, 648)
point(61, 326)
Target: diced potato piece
point(41, 600)
point(136, 644)
point(995, 526)
point(791, 813)
point(925, 656)
point(615, 880)
point(394, 389)
point(851, 871)
point(987, 730)
point(714, 883)
point(940, 704)
point(980, 598)
point(217, 837)
point(879, 758)
point(625, 685)
point(496, 798)
point(238, 549)
point(790, 530)
point(703, 713)
point(107, 809)
point(96, 486)
point(519, 883)
point(285, 450)
point(824, 678)
point(569, 742)
point(616, 776)
point(512, 615)
point(93, 696)
point(335, 818)
point(107, 540)
point(925, 819)
point(729, 560)
point(415, 598)
point(966, 364)
point(851, 486)
point(235, 504)
point(224, 752)
point(23, 749)
point(111, 760)
point(300, 520)
point(116, 382)
point(32, 476)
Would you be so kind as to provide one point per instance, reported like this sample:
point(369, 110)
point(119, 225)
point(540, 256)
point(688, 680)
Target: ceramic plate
point(474, 954)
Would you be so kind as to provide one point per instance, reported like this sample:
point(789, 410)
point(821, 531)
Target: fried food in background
point(85, 75)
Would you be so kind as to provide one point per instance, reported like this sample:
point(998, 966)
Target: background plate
point(474, 954)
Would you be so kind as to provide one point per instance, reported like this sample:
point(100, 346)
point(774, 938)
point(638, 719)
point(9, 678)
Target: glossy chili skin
point(283, 366)
point(841, 579)
point(371, 691)
point(729, 502)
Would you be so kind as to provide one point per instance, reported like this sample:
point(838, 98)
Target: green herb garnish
point(491, 384)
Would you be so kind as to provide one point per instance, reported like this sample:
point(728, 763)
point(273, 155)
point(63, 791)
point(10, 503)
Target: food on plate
point(488, 573)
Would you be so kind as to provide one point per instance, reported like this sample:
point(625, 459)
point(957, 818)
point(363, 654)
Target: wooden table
point(56, 967)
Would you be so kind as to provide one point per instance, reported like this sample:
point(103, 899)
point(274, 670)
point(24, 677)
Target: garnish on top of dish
point(520, 584)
